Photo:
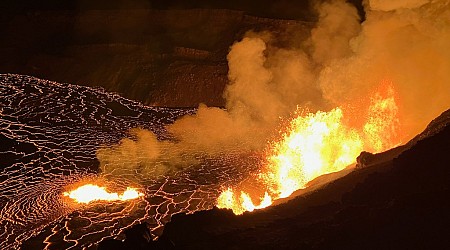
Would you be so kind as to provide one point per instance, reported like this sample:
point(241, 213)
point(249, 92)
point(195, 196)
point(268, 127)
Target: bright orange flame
point(317, 144)
point(382, 123)
point(90, 192)
point(242, 203)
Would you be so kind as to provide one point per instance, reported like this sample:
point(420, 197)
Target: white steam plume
point(405, 43)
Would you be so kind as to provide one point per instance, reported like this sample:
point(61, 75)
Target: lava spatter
point(315, 144)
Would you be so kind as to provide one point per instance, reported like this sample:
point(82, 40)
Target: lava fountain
point(89, 192)
point(318, 143)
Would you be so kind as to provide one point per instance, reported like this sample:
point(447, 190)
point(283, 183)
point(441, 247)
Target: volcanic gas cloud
point(311, 106)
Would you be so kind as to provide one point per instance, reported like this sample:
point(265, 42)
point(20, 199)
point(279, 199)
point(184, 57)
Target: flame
point(90, 192)
point(243, 203)
point(382, 123)
point(316, 144)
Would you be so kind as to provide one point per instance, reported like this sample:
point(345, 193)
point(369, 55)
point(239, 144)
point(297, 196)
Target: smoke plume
point(402, 43)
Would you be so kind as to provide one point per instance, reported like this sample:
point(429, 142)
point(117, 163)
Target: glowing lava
point(90, 192)
point(316, 144)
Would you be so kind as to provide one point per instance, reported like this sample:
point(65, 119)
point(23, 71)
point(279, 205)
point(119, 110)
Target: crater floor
point(49, 133)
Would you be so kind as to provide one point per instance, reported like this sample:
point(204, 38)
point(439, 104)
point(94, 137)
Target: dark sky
point(285, 9)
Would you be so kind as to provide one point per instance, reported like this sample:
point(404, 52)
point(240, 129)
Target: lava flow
point(90, 192)
point(316, 144)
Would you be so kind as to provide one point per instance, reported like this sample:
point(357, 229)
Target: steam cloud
point(405, 43)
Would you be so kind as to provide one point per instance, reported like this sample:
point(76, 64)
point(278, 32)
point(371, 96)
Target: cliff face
point(160, 57)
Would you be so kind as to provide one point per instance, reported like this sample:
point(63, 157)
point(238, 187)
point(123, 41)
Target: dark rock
point(111, 244)
point(364, 159)
point(138, 237)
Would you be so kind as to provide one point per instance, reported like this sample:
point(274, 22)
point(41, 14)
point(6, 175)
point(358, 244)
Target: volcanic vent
point(296, 108)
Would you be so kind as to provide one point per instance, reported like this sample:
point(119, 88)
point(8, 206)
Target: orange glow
point(242, 203)
point(316, 144)
point(90, 192)
point(382, 124)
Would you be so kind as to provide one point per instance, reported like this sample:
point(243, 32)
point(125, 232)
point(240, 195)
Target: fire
point(382, 123)
point(90, 192)
point(316, 144)
point(243, 203)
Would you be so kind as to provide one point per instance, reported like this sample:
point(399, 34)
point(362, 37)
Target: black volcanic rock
point(364, 159)
point(399, 204)
point(434, 127)
point(138, 237)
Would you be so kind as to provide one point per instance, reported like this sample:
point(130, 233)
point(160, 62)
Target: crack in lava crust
point(48, 138)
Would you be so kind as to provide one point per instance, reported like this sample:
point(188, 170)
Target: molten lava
point(316, 144)
point(90, 192)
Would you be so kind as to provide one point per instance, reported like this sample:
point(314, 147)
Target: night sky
point(285, 9)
